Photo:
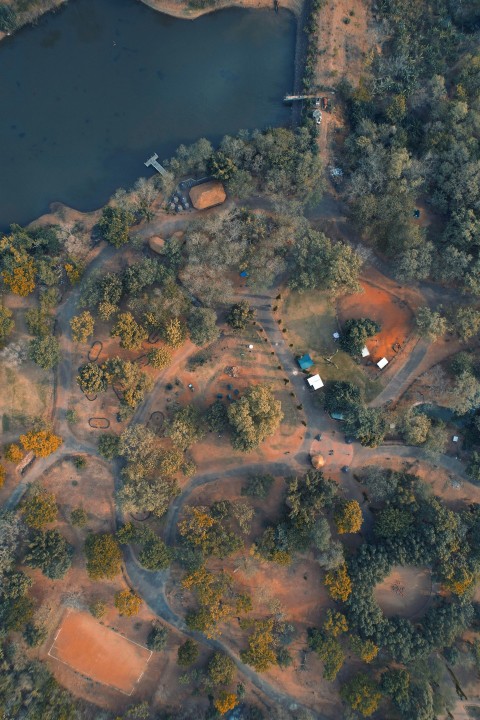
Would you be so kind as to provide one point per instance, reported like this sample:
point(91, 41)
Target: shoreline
point(173, 8)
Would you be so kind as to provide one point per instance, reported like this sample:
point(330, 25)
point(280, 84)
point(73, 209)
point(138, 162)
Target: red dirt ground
point(94, 650)
point(416, 585)
point(391, 313)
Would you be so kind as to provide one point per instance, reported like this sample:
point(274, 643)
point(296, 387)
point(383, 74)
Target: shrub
point(157, 637)
point(14, 453)
point(103, 556)
point(128, 603)
point(187, 653)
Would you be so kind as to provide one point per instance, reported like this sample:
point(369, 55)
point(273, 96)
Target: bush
point(258, 486)
point(45, 352)
point(34, 635)
point(157, 637)
point(79, 517)
point(128, 603)
point(187, 653)
point(39, 507)
point(14, 453)
point(108, 446)
point(98, 609)
point(103, 556)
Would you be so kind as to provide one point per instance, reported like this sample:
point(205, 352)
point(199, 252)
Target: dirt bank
point(176, 8)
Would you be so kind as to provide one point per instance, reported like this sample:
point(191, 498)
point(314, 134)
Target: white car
point(318, 119)
point(317, 102)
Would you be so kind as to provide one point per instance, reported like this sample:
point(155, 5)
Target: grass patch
point(311, 322)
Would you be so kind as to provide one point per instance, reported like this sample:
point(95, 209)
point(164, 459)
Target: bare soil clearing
point(392, 314)
point(99, 653)
point(406, 591)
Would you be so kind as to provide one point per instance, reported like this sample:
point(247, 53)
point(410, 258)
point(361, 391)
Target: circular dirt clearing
point(406, 591)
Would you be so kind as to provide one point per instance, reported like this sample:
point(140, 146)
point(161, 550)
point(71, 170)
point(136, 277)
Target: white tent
point(315, 382)
point(365, 352)
point(382, 363)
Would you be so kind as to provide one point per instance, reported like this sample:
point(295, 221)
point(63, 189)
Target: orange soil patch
point(406, 591)
point(391, 313)
point(96, 651)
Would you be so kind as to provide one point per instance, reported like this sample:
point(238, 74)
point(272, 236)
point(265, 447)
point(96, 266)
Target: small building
point(382, 363)
point(315, 382)
point(207, 195)
point(305, 362)
point(337, 416)
point(455, 438)
point(365, 351)
point(336, 335)
point(318, 461)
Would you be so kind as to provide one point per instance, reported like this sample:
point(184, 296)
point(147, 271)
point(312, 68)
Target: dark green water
point(91, 92)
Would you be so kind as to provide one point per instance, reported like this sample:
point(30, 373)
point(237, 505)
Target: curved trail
point(151, 585)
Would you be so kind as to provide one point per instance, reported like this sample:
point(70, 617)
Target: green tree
point(415, 427)
point(82, 326)
point(108, 446)
point(368, 425)
point(131, 334)
point(342, 397)
point(258, 486)
point(254, 418)
point(202, 325)
point(159, 358)
point(217, 417)
point(335, 623)
point(39, 507)
point(396, 684)
point(466, 321)
point(361, 693)
point(92, 378)
point(185, 428)
point(175, 333)
point(115, 224)
point(154, 555)
point(6, 324)
point(8, 18)
point(431, 323)
point(221, 669)
point(187, 653)
point(79, 517)
point(355, 333)
point(103, 556)
point(49, 551)
point(157, 637)
point(329, 651)
point(240, 315)
point(34, 635)
point(44, 351)
point(261, 653)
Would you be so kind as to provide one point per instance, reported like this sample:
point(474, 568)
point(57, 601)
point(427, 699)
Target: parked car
point(345, 469)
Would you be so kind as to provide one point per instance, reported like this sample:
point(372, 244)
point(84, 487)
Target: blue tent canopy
point(305, 362)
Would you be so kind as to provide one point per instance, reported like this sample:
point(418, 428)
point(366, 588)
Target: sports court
point(99, 653)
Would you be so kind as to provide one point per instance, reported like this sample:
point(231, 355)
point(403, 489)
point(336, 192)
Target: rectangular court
point(99, 653)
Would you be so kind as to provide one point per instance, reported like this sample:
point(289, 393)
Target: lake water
point(91, 92)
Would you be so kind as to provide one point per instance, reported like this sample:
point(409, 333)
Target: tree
point(128, 603)
point(154, 555)
point(341, 396)
point(6, 323)
point(108, 446)
point(202, 325)
point(34, 635)
point(466, 393)
point(3, 474)
point(240, 315)
point(316, 262)
point(335, 623)
point(338, 583)
point(39, 507)
point(362, 694)
point(348, 516)
point(103, 556)
point(92, 378)
point(175, 333)
point(415, 428)
point(329, 651)
point(79, 517)
point(466, 321)
point(13, 453)
point(473, 468)
point(44, 351)
point(82, 326)
point(49, 551)
point(43, 443)
point(254, 417)
point(368, 425)
point(21, 277)
point(157, 637)
point(8, 18)
point(159, 358)
point(365, 649)
point(393, 522)
point(225, 702)
point(217, 417)
point(430, 323)
point(115, 225)
point(98, 609)
point(396, 684)
point(131, 334)
point(355, 333)
point(261, 646)
point(185, 429)
point(187, 653)
point(258, 486)
point(221, 669)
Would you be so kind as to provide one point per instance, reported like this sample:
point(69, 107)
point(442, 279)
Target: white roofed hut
point(382, 363)
point(315, 382)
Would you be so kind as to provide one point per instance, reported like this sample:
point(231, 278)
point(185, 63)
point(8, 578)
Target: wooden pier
point(153, 162)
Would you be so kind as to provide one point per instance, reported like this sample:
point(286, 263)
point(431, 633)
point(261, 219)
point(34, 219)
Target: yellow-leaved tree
point(43, 443)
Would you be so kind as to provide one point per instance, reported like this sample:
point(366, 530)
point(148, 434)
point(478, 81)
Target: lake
point(92, 91)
